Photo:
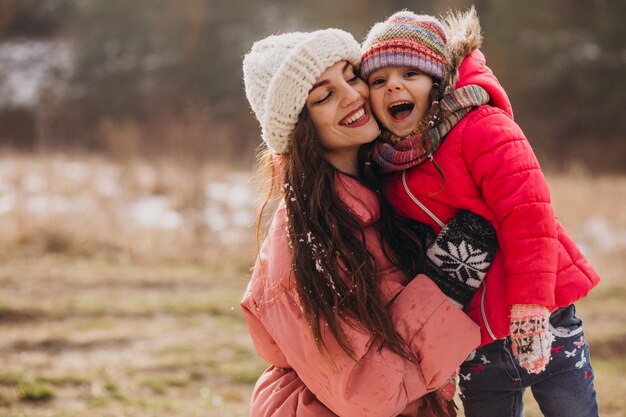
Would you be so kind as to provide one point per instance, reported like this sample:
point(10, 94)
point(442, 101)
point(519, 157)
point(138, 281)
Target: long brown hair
point(328, 244)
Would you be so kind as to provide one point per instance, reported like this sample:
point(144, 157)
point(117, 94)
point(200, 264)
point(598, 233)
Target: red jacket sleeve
point(506, 170)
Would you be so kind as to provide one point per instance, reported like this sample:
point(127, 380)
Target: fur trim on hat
point(464, 36)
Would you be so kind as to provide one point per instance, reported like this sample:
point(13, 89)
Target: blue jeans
point(492, 383)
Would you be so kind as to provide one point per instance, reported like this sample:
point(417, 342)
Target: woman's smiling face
point(339, 109)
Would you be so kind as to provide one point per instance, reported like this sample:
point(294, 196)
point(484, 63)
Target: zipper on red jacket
point(482, 311)
point(440, 223)
point(419, 203)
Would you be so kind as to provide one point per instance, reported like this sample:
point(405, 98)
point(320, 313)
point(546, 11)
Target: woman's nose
point(350, 95)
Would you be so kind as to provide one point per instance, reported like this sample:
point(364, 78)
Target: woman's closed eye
point(325, 98)
point(354, 79)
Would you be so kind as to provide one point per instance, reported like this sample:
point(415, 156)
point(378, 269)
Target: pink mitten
point(531, 337)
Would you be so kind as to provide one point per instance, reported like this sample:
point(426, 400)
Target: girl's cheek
point(375, 102)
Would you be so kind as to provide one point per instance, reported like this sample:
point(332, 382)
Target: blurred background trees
point(162, 77)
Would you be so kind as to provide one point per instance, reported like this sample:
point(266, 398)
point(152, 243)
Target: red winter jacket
point(381, 383)
point(491, 170)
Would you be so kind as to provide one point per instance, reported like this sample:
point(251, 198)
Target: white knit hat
point(279, 72)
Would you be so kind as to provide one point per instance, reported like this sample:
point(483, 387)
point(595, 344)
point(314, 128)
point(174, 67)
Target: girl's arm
point(505, 168)
point(507, 172)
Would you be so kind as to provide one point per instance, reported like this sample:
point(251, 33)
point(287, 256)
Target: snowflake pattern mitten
point(530, 336)
point(461, 255)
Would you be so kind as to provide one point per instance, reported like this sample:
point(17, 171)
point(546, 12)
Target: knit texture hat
point(279, 72)
point(405, 39)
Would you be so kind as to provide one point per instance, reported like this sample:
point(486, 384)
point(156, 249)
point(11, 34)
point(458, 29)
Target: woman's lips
point(356, 118)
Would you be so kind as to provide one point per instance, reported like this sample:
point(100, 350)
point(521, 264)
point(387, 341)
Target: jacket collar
point(359, 199)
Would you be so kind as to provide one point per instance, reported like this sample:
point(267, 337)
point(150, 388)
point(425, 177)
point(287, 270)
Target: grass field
point(120, 287)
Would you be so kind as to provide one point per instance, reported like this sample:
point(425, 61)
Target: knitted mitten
point(530, 336)
point(460, 256)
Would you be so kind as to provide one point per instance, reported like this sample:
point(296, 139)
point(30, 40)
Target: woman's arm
point(280, 392)
point(380, 382)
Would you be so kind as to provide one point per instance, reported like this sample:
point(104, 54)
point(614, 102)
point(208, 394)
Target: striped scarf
point(393, 153)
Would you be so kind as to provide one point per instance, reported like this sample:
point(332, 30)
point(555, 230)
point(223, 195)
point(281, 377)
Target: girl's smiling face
point(399, 97)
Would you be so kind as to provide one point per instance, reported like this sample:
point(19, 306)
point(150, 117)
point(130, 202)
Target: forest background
point(127, 200)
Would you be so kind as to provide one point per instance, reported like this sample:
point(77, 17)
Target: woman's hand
point(447, 390)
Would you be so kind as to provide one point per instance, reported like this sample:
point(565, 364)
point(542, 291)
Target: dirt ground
point(85, 338)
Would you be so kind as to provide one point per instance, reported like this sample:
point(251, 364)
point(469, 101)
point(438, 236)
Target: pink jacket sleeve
point(280, 392)
point(380, 383)
point(507, 172)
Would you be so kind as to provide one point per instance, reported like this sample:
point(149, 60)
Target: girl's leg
point(566, 388)
point(490, 384)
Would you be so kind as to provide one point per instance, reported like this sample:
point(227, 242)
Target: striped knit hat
point(405, 39)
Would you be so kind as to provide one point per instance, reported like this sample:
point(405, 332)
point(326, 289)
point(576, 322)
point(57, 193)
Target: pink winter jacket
point(299, 382)
point(491, 170)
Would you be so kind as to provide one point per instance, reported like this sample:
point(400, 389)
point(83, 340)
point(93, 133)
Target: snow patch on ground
point(71, 188)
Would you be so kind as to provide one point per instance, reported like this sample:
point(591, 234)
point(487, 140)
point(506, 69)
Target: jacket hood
point(466, 64)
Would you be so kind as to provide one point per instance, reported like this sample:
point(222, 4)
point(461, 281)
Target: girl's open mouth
point(400, 110)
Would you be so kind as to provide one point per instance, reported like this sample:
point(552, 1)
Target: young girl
point(332, 304)
point(449, 143)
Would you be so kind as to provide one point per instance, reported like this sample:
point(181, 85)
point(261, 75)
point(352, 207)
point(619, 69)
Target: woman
point(334, 303)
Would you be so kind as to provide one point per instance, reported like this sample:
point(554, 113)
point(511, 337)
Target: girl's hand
point(460, 256)
point(530, 336)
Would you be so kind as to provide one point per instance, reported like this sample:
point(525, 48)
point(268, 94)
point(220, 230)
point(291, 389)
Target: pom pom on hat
point(405, 39)
point(279, 72)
